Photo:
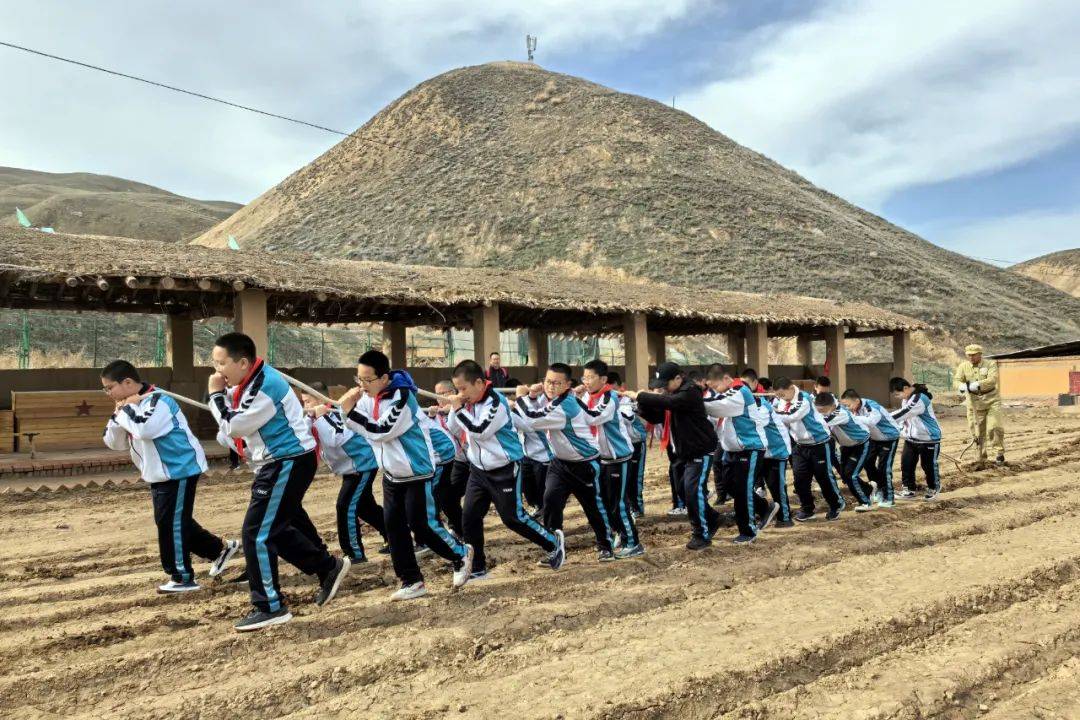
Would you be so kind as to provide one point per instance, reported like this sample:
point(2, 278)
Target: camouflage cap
point(973, 350)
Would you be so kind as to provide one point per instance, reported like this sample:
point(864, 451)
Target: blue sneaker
point(743, 540)
point(557, 557)
point(631, 552)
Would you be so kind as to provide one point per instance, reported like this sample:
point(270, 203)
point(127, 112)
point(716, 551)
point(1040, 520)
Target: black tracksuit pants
point(447, 497)
point(925, 454)
point(356, 503)
point(674, 474)
point(533, 481)
point(693, 478)
point(277, 496)
point(635, 486)
point(503, 488)
point(772, 473)
point(177, 532)
point(582, 480)
point(722, 493)
point(615, 478)
point(853, 461)
point(409, 508)
point(880, 466)
point(814, 462)
point(740, 471)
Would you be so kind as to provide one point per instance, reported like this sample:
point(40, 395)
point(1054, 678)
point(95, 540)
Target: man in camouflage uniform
point(977, 382)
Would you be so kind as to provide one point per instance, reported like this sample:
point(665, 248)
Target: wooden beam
point(804, 351)
point(538, 349)
point(485, 332)
point(902, 354)
point(657, 348)
point(181, 348)
point(836, 357)
point(636, 348)
point(757, 348)
point(394, 344)
point(250, 317)
point(736, 348)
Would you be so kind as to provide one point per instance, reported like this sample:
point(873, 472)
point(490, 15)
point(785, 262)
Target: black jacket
point(692, 435)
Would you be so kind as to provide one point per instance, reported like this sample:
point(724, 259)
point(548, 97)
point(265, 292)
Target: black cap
point(665, 373)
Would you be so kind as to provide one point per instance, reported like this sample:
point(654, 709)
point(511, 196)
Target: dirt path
point(965, 607)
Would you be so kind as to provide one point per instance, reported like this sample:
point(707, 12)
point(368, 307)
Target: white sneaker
point(179, 587)
point(886, 504)
point(461, 574)
point(770, 517)
point(616, 543)
point(864, 508)
point(678, 511)
point(875, 494)
point(230, 549)
point(423, 551)
point(410, 592)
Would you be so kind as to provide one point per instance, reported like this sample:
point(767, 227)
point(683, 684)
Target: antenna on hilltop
point(530, 46)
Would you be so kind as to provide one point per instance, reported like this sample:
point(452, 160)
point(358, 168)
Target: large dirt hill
point(84, 203)
point(508, 164)
point(1060, 270)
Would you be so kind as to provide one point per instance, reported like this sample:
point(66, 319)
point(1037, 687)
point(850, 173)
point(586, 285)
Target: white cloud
point(868, 97)
point(1012, 238)
point(332, 63)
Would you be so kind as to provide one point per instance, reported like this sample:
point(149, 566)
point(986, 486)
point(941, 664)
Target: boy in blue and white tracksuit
point(773, 469)
point(390, 419)
point(349, 455)
point(576, 467)
point(811, 458)
point(153, 430)
point(854, 441)
point(496, 474)
point(445, 449)
point(263, 412)
point(884, 437)
point(601, 409)
point(636, 432)
point(922, 437)
point(538, 457)
point(742, 437)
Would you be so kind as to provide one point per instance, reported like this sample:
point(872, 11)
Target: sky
point(957, 120)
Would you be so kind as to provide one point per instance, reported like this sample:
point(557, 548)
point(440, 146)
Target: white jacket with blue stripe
point(564, 420)
point(391, 423)
point(493, 441)
point(743, 428)
point(635, 428)
point(611, 434)
point(345, 452)
point(918, 421)
point(806, 424)
point(777, 437)
point(846, 428)
point(879, 421)
point(537, 447)
point(156, 434)
point(269, 418)
point(442, 442)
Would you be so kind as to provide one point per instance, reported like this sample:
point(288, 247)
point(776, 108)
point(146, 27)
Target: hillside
point(1060, 270)
point(508, 164)
point(85, 203)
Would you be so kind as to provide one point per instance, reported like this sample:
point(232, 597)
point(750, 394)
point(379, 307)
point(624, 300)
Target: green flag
point(233, 245)
point(21, 217)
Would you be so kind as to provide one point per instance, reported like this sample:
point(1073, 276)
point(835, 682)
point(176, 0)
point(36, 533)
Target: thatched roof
point(123, 275)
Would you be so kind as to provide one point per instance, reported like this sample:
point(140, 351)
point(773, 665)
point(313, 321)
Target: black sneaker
point(833, 514)
point(783, 524)
point(803, 516)
point(606, 556)
point(698, 543)
point(1000, 460)
point(743, 539)
point(257, 619)
point(385, 549)
point(714, 526)
point(931, 494)
point(329, 586)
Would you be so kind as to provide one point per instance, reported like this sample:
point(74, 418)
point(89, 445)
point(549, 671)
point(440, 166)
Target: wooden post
point(249, 317)
point(736, 350)
point(902, 354)
point(181, 348)
point(538, 350)
point(394, 347)
point(804, 353)
point(485, 332)
point(836, 357)
point(757, 348)
point(636, 348)
point(657, 348)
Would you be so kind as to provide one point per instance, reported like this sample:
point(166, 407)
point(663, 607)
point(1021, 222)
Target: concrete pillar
point(901, 354)
point(538, 350)
point(804, 353)
point(249, 317)
point(657, 348)
point(181, 348)
point(736, 349)
point(636, 347)
point(757, 348)
point(836, 357)
point(394, 346)
point(485, 332)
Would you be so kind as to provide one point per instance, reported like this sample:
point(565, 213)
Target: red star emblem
point(83, 409)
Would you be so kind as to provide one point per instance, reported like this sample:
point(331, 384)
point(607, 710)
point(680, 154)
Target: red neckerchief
point(665, 434)
point(315, 435)
point(375, 403)
point(238, 391)
point(593, 399)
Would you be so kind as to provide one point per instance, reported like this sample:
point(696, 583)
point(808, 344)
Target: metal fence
point(935, 377)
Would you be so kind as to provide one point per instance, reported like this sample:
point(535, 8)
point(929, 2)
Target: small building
point(1041, 373)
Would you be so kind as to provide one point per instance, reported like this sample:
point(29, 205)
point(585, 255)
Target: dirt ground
point(965, 607)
